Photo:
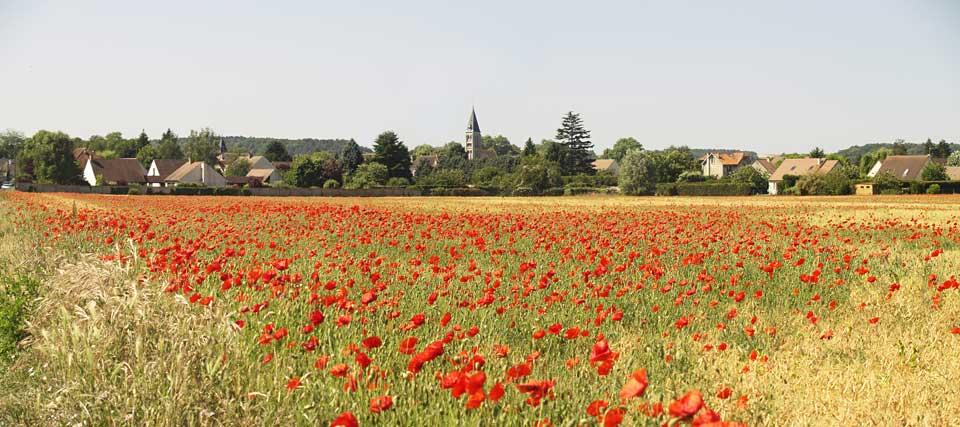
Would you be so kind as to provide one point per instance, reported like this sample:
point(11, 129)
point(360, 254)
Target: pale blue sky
point(764, 75)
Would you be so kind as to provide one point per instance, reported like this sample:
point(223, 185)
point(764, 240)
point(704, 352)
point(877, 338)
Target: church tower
point(473, 134)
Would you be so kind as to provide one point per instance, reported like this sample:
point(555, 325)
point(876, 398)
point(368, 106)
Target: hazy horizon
point(762, 76)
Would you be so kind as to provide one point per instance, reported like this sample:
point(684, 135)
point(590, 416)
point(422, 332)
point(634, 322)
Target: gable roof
point(182, 171)
point(166, 166)
point(604, 164)
point(261, 174)
point(81, 154)
point(907, 168)
point(119, 170)
point(727, 159)
point(801, 167)
point(767, 165)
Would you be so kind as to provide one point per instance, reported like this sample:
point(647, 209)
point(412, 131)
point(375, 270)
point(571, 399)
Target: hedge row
point(704, 189)
point(459, 192)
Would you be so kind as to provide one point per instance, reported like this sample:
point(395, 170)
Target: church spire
point(473, 125)
point(473, 134)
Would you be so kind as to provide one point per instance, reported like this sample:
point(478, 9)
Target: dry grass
point(99, 356)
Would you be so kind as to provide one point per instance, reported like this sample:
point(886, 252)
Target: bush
point(133, 191)
point(397, 182)
point(691, 176)
point(226, 191)
point(459, 192)
point(120, 190)
point(666, 189)
point(526, 192)
point(714, 189)
point(331, 183)
point(551, 192)
point(184, 190)
point(246, 192)
point(933, 189)
point(575, 191)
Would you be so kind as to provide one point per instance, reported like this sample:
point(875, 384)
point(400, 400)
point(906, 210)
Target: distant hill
point(700, 152)
point(257, 145)
point(853, 153)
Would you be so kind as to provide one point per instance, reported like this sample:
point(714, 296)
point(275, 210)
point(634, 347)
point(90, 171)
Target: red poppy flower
point(380, 404)
point(687, 405)
point(345, 419)
point(635, 386)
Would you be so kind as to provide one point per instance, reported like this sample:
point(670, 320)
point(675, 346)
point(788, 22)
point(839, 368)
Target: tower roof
point(472, 124)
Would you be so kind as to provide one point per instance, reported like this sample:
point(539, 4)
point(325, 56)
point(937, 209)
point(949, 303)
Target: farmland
point(168, 310)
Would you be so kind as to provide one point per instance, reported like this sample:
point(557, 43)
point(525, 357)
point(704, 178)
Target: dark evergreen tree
point(169, 147)
point(351, 157)
point(528, 148)
point(929, 147)
point(942, 150)
point(817, 153)
point(390, 152)
point(276, 152)
point(899, 148)
point(143, 140)
point(578, 150)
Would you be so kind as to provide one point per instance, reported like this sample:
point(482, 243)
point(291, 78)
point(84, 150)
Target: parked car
point(7, 185)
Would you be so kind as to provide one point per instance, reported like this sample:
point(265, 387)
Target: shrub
point(459, 192)
point(397, 182)
point(574, 191)
point(331, 183)
point(133, 191)
point(526, 191)
point(714, 189)
point(555, 191)
point(120, 190)
point(183, 190)
point(666, 189)
point(226, 191)
point(933, 189)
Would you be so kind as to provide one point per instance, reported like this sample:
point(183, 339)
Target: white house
point(196, 173)
point(113, 171)
point(160, 169)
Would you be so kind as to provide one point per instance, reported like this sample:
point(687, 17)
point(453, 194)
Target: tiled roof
point(907, 168)
point(127, 170)
point(801, 167)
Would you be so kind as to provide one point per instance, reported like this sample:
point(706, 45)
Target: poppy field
point(489, 311)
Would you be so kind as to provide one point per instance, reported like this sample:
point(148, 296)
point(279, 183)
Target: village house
point(606, 165)
point(798, 168)
point(719, 165)
point(160, 169)
point(904, 168)
point(198, 173)
point(113, 171)
point(764, 166)
point(262, 170)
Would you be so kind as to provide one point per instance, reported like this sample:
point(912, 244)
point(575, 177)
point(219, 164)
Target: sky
point(763, 75)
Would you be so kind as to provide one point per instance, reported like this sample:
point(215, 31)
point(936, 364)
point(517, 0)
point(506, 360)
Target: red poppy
point(635, 386)
point(380, 404)
point(687, 405)
point(345, 419)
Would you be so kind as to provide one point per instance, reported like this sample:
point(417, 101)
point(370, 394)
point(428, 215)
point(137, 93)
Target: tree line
point(547, 167)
